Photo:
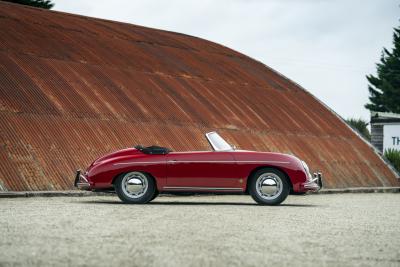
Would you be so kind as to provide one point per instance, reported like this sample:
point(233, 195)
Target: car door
point(202, 171)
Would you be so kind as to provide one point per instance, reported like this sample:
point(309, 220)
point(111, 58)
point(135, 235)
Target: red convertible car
point(139, 174)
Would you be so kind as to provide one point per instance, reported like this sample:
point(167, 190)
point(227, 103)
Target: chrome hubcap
point(134, 184)
point(269, 186)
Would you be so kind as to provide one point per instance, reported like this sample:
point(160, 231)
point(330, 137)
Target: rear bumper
point(81, 181)
point(314, 185)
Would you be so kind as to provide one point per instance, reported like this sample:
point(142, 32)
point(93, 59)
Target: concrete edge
point(361, 190)
point(76, 193)
point(71, 193)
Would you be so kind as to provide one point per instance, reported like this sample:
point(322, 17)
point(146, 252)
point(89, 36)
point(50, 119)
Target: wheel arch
point(252, 172)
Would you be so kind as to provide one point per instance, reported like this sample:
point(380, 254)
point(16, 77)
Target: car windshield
point(217, 142)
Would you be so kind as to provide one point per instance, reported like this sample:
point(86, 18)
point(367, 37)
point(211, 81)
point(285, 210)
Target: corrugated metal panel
point(73, 88)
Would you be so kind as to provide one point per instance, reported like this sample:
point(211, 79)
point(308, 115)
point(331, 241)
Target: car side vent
point(155, 150)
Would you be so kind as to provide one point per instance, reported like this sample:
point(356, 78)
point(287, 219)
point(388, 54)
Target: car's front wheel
point(269, 186)
point(135, 187)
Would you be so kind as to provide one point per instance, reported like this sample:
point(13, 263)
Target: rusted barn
point(73, 88)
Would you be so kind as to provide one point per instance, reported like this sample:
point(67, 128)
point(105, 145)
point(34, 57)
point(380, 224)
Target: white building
point(385, 130)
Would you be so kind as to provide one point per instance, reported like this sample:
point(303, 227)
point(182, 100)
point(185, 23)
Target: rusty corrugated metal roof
point(73, 88)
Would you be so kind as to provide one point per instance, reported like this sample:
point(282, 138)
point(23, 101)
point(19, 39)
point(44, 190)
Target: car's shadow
point(195, 203)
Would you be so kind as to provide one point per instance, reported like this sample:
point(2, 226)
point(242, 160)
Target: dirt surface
point(327, 230)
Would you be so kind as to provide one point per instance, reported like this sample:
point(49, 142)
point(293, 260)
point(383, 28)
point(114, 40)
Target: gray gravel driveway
point(319, 230)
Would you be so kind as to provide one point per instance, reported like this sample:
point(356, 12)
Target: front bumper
point(81, 182)
point(315, 184)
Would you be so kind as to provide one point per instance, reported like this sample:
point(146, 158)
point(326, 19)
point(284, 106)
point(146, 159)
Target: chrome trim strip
point(201, 188)
point(315, 183)
point(311, 186)
point(312, 180)
point(83, 185)
point(227, 161)
point(139, 162)
point(83, 178)
point(203, 161)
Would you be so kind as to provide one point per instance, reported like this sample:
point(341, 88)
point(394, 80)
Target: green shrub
point(360, 126)
point(393, 156)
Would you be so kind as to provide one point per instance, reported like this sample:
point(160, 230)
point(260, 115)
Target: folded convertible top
point(156, 150)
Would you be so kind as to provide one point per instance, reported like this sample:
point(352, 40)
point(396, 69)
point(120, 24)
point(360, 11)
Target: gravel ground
point(320, 230)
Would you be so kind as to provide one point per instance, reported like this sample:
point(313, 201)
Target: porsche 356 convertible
point(139, 174)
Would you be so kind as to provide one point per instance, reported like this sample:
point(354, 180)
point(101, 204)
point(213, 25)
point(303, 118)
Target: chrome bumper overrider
point(81, 182)
point(315, 184)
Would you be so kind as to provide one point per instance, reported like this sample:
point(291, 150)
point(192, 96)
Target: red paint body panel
point(202, 169)
point(228, 171)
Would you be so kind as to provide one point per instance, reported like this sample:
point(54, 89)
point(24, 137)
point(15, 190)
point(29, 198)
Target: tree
point(384, 88)
point(47, 4)
point(360, 126)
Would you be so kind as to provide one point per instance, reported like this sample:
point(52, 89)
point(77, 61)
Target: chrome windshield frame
point(214, 143)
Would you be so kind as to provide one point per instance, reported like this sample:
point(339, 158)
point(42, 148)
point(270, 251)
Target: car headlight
point(305, 166)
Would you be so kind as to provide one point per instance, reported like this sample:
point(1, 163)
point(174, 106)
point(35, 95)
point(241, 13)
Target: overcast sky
point(326, 46)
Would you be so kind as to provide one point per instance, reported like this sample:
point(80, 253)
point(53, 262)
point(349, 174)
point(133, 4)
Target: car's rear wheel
point(269, 186)
point(135, 187)
point(156, 193)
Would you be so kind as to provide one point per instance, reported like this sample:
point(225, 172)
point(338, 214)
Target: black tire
point(275, 193)
point(156, 193)
point(148, 188)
